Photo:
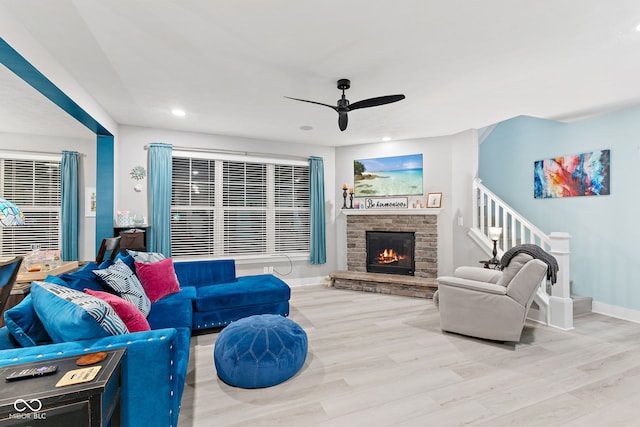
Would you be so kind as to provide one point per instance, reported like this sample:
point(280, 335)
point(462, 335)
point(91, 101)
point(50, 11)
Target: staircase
point(552, 304)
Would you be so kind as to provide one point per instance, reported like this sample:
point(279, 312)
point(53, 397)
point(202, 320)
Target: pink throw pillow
point(158, 279)
point(127, 311)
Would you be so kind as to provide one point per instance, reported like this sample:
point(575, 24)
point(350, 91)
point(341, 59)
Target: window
point(34, 186)
point(234, 207)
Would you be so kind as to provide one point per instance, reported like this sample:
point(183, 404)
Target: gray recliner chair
point(489, 304)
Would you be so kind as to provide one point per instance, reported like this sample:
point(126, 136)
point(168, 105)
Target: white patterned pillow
point(70, 315)
point(146, 257)
point(121, 279)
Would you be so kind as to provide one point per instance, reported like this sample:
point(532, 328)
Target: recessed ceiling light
point(178, 112)
point(306, 127)
point(386, 139)
point(638, 27)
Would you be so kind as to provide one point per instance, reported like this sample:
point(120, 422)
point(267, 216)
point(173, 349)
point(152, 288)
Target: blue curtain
point(69, 216)
point(318, 250)
point(159, 238)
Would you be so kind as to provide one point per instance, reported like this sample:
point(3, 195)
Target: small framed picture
point(90, 201)
point(434, 200)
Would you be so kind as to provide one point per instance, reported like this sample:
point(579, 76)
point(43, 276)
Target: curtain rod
point(48, 153)
point(235, 152)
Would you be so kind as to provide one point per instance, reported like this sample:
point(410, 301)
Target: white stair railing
point(491, 211)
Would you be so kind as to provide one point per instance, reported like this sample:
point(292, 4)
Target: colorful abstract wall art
point(388, 176)
point(585, 174)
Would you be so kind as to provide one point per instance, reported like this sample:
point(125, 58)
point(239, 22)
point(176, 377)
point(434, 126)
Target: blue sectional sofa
point(156, 361)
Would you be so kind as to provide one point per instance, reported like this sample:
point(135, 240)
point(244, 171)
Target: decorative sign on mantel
point(387, 203)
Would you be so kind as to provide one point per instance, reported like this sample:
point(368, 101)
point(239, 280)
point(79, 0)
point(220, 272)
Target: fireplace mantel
point(429, 211)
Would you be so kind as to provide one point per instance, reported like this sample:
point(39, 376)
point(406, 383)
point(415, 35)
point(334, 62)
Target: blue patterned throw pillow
point(122, 279)
point(70, 315)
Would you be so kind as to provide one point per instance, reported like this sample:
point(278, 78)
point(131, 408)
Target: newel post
point(560, 302)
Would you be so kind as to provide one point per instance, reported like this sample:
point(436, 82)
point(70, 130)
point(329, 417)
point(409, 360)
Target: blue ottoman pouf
point(260, 351)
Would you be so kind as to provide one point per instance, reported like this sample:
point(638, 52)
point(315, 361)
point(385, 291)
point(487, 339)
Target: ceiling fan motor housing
point(344, 84)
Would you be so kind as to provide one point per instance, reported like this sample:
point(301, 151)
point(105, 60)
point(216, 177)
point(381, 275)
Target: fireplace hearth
point(390, 252)
point(421, 223)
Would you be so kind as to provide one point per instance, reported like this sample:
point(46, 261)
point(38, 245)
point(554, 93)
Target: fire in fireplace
point(390, 252)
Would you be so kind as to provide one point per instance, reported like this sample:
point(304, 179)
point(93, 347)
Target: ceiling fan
point(344, 107)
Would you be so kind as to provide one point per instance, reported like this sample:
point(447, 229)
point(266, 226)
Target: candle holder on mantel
point(351, 201)
point(344, 196)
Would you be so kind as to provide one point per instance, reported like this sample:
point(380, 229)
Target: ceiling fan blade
point(373, 102)
point(313, 102)
point(342, 120)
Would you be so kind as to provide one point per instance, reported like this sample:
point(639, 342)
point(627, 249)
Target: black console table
point(38, 402)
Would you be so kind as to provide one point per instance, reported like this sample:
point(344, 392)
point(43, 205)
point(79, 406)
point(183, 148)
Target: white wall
point(130, 153)
point(449, 166)
point(87, 174)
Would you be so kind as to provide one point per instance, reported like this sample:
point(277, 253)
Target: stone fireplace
point(424, 227)
point(421, 223)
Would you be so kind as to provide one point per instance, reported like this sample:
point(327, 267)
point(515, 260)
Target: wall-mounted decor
point(434, 200)
point(90, 201)
point(388, 176)
point(138, 173)
point(388, 203)
point(585, 174)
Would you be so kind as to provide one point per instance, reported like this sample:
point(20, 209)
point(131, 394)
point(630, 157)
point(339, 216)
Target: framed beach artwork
point(388, 176)
point(585, 174)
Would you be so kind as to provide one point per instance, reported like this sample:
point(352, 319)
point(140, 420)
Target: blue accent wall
point(105, 174)
point(603, 228)
point(104, 188)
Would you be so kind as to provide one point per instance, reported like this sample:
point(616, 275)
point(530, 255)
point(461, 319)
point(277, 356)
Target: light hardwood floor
point(382, 360)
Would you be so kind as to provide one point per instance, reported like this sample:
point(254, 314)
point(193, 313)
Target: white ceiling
point(229, 63)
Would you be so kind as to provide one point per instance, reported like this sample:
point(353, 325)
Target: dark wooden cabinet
point(38, 402)
point(134, 238)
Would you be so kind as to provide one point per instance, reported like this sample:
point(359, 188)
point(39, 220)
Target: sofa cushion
point(248, 290)
point(205, 273)
point(70, 315)
point(158, 279)
point(173, 311)
point(129, 313)
point(121, 279)
point(24, 324)
point(6, 339)
point(127, 259)
point(146, 257)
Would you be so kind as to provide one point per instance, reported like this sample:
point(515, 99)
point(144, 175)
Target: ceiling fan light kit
point(343, 107)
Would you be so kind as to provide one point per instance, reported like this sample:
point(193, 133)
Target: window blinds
point(233, 207)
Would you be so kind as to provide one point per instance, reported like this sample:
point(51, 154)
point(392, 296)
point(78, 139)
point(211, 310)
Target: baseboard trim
point(304, 281)
point(616, 311)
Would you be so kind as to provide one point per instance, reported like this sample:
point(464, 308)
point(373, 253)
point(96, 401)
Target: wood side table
point(491, 264)
point(38, 402)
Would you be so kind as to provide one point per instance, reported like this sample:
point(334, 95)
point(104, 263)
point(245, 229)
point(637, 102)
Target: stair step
point(581, 304)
